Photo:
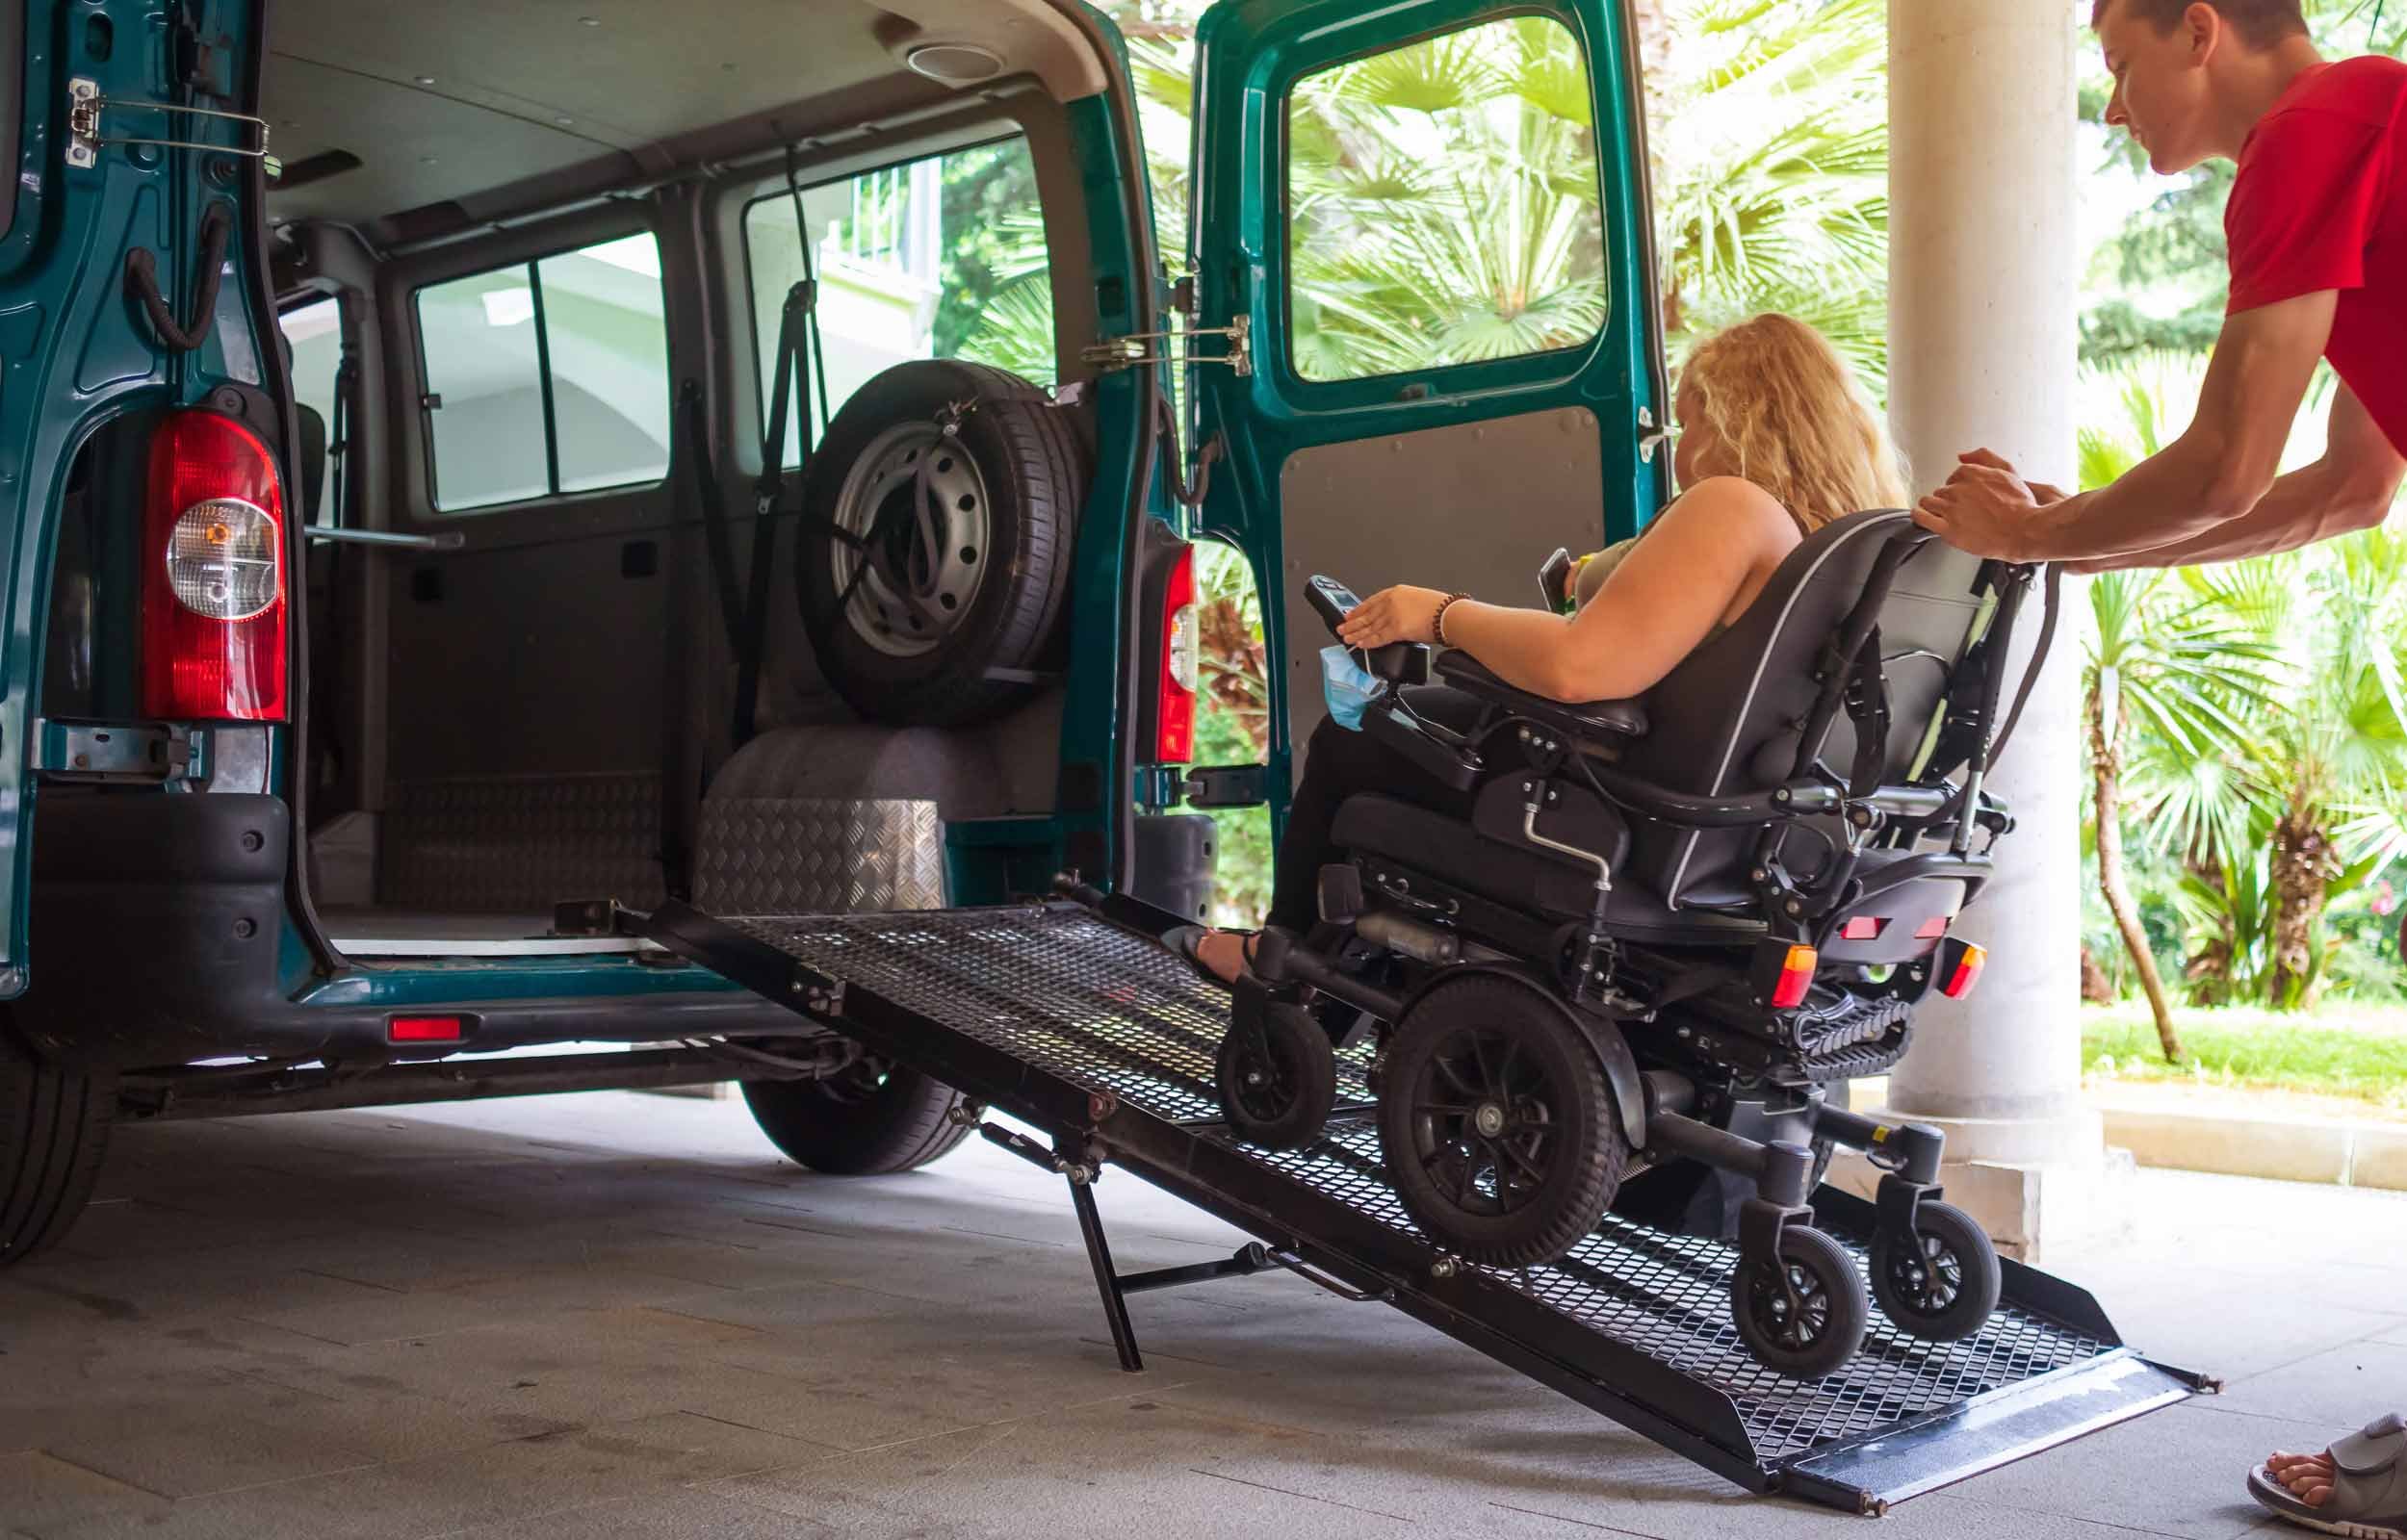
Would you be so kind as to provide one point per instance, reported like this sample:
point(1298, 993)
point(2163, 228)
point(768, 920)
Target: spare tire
point(962, 486)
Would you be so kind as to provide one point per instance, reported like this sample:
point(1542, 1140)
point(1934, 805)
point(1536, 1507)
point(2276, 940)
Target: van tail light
point(1783, 973)
point(1183, 648)
point(1960, 968)
point(213, 564)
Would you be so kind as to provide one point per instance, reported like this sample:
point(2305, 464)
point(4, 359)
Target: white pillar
point(1983, 270)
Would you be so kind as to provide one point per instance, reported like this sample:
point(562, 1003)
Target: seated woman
point(1777, 438)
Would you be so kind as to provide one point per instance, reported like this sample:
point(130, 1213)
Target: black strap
point(141, 280)
point(714, 529)
point(2054, 590)
point(1868, 707)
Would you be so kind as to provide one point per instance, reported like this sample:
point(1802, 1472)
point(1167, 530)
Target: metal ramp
point(1095, 1034)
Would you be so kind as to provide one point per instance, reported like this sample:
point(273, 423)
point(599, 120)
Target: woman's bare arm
point(1658, 605)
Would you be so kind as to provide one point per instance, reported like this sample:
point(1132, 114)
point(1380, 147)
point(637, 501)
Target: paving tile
point(188, 1434)
point(682, 1512)
point(2337, 1391)
point(38, 1489)
point(518, 1479)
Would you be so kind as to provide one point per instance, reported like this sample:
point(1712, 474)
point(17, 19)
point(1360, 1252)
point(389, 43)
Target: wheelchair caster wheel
point(1941, 1282)
point(1804, 1313)
point(1495, 1126)
point(1278, 1077)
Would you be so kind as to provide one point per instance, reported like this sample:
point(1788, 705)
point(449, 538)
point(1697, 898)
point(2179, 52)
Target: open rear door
point(1425, 227)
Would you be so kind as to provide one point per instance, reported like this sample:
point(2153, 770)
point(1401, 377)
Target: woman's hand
point(1399, 614)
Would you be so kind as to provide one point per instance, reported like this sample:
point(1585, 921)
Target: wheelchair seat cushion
point(1605, 719)
point(1524, 878)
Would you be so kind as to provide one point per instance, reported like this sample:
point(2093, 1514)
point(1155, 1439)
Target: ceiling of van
point(483, 103)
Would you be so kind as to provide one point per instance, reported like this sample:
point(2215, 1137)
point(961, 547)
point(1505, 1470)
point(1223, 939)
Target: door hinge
point(118, 750)
point(85, 105)
point(1227, 785)
point(1112, 353)
point(1650, 436)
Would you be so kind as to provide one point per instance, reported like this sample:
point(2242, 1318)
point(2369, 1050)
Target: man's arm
point(2350, 488)
point(2216, 472)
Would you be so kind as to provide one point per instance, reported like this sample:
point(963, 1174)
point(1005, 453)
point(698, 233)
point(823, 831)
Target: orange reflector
point(1862, 927)
point(1967, 973)
point(1932, 929)
point(1796, 976)
point(424, 1029)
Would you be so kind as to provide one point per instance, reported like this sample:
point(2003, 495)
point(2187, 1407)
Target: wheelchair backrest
point(1727, 720)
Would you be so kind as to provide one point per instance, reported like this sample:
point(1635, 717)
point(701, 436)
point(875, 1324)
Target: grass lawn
point(2342, 1050)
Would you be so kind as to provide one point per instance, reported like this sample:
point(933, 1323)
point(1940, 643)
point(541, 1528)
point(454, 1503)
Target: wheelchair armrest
point(1625, 719)
point(1455, 763)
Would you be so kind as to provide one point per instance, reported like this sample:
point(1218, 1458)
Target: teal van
point(475, 471)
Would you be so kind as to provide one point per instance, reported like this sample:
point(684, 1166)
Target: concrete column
point(1983, 272)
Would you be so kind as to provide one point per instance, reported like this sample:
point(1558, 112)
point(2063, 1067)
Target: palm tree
point(2164, 656)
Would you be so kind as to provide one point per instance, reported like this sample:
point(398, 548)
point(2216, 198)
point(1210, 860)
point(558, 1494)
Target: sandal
point(1184, 941)
point(2369, 1499)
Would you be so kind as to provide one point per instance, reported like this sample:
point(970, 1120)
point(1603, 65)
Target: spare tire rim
point(927, 563)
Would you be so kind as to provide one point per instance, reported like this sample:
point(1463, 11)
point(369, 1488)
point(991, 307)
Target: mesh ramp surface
point(1065, 991)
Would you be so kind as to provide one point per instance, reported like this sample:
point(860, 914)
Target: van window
point(1443, 204)
point(314, 332)
point(552, 376)
point(936, 258)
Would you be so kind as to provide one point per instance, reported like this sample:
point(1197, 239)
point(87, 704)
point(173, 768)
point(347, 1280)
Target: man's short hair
point(2260, 24)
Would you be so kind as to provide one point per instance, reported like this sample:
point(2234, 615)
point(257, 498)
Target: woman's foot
point(1225, 954)
point(2308, 1477)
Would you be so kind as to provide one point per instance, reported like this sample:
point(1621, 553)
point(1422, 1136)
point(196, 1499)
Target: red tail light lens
point(1965, 973)
point(1173, 716)
point(1862, 927)
point(213, 585)
point(1932, 928)
point(425, 1028)
point(1796, 976)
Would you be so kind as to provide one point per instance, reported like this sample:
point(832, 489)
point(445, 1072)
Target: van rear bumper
point(159, 938)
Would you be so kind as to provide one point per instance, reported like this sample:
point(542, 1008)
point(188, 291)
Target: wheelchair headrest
point(1731, 716)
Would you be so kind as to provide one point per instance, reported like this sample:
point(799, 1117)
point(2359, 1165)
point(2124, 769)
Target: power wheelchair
point(1667, 927)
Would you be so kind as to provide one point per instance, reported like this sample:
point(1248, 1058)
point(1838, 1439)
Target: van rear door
point(132, 126)
point(1428, 222)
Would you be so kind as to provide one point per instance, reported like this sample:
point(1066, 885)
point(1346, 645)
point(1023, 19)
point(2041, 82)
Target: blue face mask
point(1348, 686)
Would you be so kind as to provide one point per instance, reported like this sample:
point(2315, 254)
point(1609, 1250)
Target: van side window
point(1443, 204)
point(936, 258)
point(314, 332)
point(553, 376)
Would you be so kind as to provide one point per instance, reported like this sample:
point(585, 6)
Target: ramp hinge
point(822, 996)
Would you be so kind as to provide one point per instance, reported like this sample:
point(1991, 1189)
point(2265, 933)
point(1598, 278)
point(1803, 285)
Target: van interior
point(532, 262)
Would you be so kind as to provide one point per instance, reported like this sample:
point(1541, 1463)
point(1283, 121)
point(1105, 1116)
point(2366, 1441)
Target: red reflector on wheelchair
point(1966, 972)
point(1932, 928)
point(1863, 928)
point(1796, 976)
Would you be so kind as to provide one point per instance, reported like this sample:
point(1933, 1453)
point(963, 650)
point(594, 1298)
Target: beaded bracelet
point(1438, 622)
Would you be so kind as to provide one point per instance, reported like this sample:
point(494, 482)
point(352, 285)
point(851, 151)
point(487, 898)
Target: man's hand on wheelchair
point(1986, 506)
point(1399, 614)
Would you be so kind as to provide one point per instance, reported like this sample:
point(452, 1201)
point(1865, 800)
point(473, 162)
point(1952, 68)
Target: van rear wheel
point(870, 1119)
point(54, 1127)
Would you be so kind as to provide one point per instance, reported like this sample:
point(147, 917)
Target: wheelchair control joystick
point(1397, 662)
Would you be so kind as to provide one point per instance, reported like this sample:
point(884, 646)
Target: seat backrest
point(313, 460)
point(1729, 718)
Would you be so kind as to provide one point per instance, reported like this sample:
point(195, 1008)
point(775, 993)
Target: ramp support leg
point(1107, 1281)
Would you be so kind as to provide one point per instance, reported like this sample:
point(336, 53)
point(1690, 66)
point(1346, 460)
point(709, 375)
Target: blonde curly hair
point(1795, 420)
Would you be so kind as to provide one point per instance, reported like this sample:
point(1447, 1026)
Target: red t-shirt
point(2320, 202)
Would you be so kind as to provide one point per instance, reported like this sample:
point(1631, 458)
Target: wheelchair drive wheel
point(1804, 1313)
point(1495, 1124)
point(1941, 1282)
point(1276, 1073)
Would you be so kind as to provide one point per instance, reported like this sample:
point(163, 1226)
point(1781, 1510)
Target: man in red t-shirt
point(2317, 230)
